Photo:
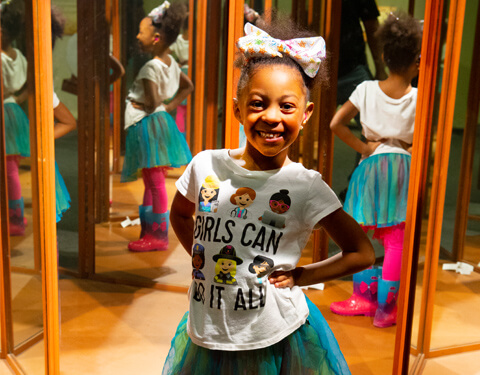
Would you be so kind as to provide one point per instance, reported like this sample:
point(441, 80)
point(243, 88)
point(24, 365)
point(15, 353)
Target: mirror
point(25, 276)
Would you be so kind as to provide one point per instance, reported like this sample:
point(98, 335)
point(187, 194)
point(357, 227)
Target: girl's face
point(197, 261)
point(147, 37)
point(272, 108)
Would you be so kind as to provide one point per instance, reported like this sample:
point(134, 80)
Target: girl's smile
point(272, 108)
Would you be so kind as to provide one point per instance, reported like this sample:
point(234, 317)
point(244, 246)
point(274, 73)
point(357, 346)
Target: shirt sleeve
point(186, 183)
point(357, 95)
point(56, 101)
point(321, 201)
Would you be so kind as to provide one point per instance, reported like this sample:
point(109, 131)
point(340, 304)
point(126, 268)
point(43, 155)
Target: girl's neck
point(9, 51)
point(396, 85)
point(161, 53)
point(252, 160)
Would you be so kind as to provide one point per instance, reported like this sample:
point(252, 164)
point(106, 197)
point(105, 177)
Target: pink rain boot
point(386, 314)
point(155, 236)
point(364, 298)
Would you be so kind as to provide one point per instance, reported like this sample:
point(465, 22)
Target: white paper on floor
point(127, 222)
point(459, 267)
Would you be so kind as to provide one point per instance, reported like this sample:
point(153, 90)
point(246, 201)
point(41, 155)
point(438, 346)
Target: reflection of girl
point(209, 194)
point(17, 138)
point(378, 190)
point(64, 123)
point(153, 141)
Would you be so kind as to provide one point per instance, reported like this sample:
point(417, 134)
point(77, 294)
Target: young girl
point(153, 140)
point(378, 190)
point(17, 138)
point(244, 322)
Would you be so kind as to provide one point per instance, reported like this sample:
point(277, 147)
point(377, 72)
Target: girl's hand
point(138, 105)
point(371, 147)
point(282, 279)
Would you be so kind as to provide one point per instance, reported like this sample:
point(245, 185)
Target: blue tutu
point(154, 141)
point(312, 349)
point(17, 130)
point(378, 191)
point(62, 197)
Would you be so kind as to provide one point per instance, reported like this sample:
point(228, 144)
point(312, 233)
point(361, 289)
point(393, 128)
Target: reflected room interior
point(105, 297)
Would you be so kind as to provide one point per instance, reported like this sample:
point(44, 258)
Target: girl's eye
point(288, 107)
point(256, 104)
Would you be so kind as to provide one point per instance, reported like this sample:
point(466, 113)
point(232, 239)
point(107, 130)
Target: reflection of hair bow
point(373, 287)
point(157, 13)
point(307, 52)
point(4, 3)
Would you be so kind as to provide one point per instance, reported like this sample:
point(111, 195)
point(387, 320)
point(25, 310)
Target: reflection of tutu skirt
point(62, 197)
point(378, 191)
point(154, 141)
point(312, 349)
point(17, 134)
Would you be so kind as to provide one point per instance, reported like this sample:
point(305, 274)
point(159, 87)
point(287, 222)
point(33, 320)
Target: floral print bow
point(157, 13)
point(307, 52)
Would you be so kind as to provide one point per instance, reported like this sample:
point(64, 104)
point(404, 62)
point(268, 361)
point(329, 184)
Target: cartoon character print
point(208, 197)
point(198, 261)
point(261, 266)
point(242, 198)
point(279, 204)
point(226, 266)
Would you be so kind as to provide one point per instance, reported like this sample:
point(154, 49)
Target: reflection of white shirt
point(180, 49)
point(167, 79)
point(384, 117)
point(233, 308)
point(14, 75)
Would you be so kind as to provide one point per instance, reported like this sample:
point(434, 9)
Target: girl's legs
point(154, 212)
point(386, 314)
point(15, 200)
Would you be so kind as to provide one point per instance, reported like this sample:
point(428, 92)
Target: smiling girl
point(244, 322)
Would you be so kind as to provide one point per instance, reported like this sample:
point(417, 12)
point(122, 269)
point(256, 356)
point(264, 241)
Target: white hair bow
point(307, 52)
point(157, 13)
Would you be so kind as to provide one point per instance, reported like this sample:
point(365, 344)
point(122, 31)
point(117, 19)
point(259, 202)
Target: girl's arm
point(65, 122)
point(185, 89)
point(22, 95)
point(117, 69)
point(339, 126)
point(357, 254)
point(181, 218)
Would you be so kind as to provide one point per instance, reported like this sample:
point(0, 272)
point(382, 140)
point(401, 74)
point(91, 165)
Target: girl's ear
point(156, 38)
point(236, 110)
point(308, 112)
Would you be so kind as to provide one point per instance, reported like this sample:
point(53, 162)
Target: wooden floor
point(110, 328)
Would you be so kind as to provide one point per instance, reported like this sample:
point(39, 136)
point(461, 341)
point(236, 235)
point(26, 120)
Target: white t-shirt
point(232, 304)
point(180, 49)
point(167, 79)
point(14, 75)
point(384, 117)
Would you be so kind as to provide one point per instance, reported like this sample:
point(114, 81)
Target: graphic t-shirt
point(248, 224)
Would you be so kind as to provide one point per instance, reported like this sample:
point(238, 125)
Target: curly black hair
point(400, 37)
point(284, 28)
point(58, 24)
point(12, 22)
point(171, 23)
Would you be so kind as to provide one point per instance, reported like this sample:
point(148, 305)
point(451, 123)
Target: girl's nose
point(272, 115)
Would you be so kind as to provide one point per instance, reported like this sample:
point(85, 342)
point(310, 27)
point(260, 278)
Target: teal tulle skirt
point(378, 192)
point(312, 349)
point(62, 197)
point(154, 141)
point(17, 133)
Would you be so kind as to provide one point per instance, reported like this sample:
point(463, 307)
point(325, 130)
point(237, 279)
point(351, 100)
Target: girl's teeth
point(268, 135)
